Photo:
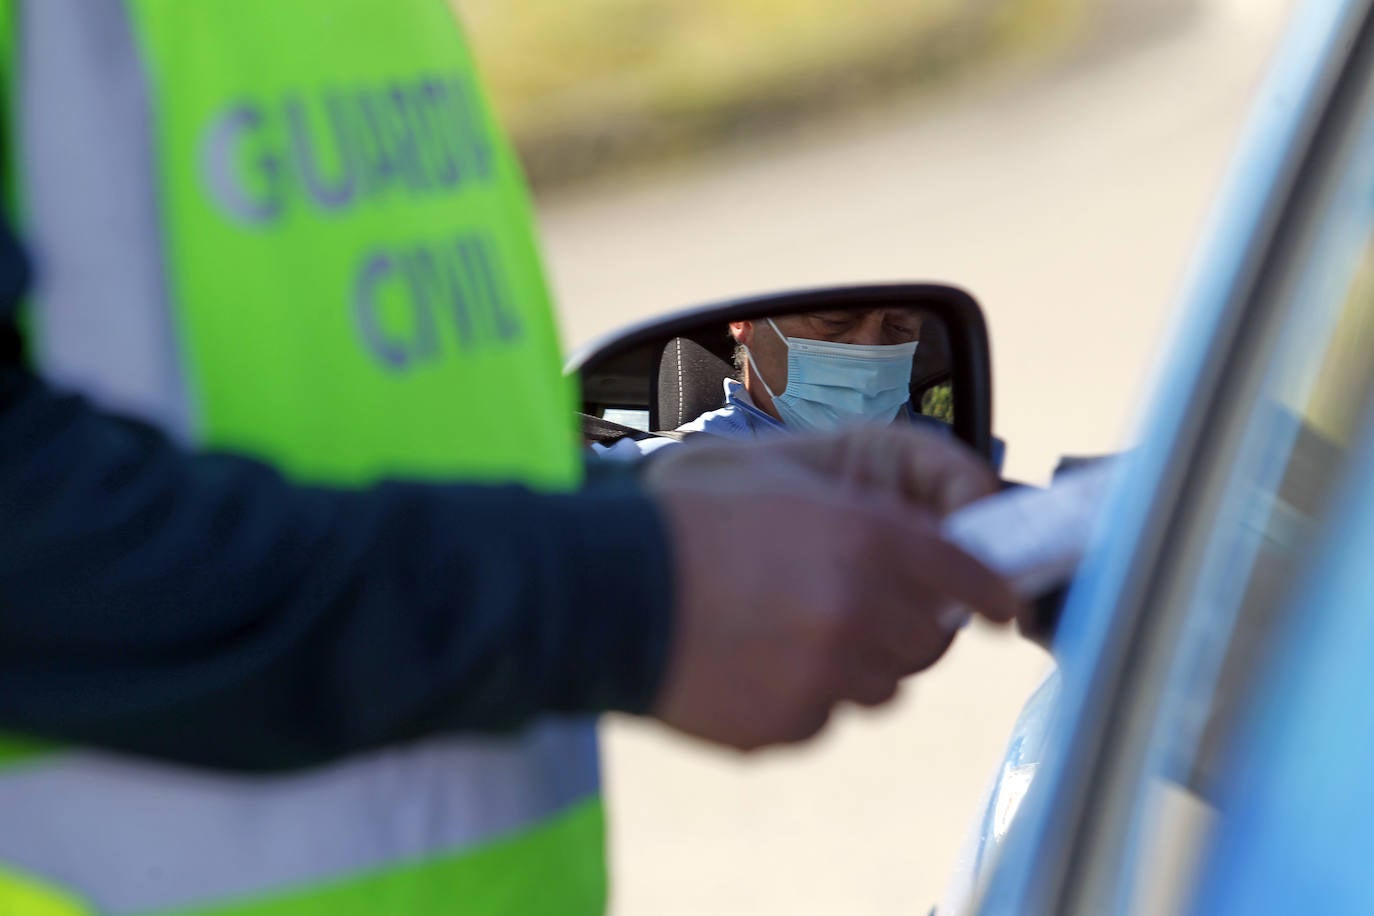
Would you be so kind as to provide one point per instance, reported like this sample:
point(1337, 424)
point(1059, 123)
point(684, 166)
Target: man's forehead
point(903, 312)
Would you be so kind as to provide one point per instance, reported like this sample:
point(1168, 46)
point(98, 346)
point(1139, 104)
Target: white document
point(1033, 537)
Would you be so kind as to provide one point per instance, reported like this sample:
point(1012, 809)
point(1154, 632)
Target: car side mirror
point(663, 373)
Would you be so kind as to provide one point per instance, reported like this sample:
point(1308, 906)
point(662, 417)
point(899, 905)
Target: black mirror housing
point(625, 369)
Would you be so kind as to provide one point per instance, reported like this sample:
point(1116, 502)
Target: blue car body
point(1068, 825)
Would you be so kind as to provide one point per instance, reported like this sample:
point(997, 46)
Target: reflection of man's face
point(874, 327)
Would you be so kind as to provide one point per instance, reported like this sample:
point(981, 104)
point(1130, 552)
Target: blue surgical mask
point(834, 385)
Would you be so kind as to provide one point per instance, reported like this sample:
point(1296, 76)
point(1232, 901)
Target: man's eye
point(832, 325)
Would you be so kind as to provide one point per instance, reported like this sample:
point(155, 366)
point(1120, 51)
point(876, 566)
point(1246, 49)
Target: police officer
point(290, 498)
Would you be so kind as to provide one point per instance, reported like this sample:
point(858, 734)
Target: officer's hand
point(811, 571)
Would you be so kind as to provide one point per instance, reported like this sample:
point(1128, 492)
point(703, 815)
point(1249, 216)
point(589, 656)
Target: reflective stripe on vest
point(292, 230)
point(133, 837)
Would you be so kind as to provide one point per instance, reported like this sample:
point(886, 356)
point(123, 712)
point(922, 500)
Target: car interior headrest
point(690, 381)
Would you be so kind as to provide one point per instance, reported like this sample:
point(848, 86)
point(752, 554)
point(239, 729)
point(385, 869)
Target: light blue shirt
point(740, 418)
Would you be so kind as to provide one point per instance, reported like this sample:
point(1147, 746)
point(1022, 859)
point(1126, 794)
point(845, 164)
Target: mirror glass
point(821, 366)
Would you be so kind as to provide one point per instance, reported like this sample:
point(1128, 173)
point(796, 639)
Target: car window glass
point(1293, 831)
point(1334, 405)
point(635, 419)
point(1321, 402)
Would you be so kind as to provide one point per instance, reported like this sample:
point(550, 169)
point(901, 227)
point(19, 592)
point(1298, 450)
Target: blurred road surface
point(1068, 203)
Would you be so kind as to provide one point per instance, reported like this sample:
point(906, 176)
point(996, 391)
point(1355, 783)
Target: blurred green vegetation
point(938, 402)
point(584, 84)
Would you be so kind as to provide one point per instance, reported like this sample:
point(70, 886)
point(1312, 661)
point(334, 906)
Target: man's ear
point(743, 332)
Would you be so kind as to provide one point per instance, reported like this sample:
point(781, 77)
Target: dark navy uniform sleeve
point(200, 608)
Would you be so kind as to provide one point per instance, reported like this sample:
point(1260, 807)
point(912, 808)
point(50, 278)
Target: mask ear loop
point(755, 363)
